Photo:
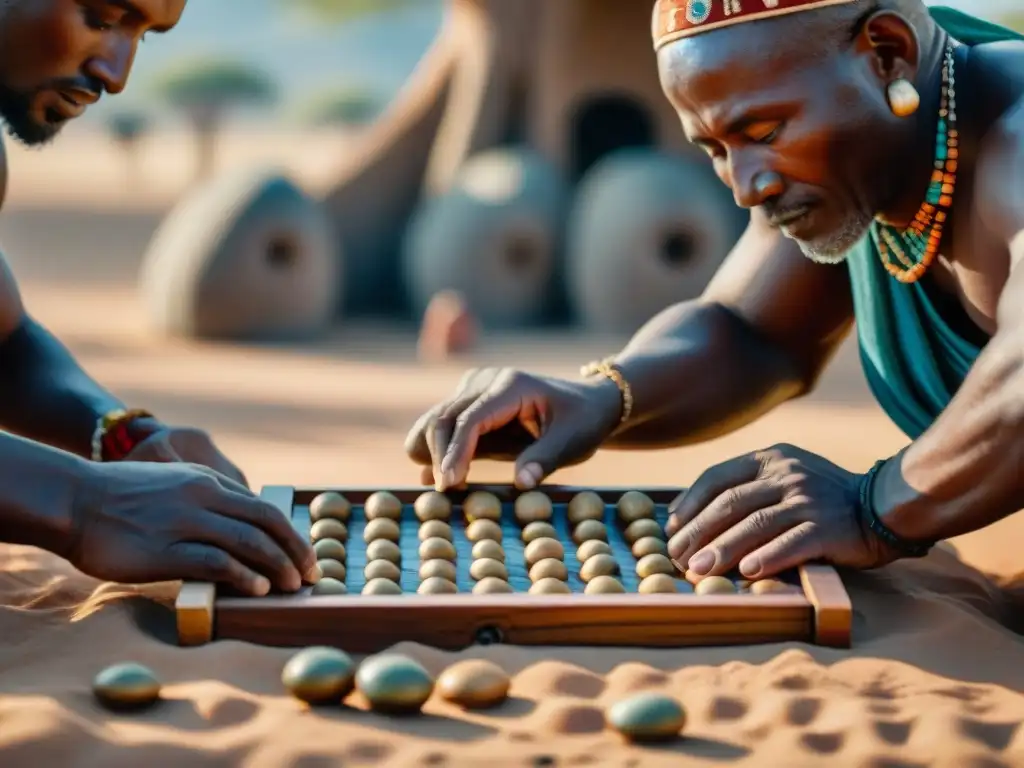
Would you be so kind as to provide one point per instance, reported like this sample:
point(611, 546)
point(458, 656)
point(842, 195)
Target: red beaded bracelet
point(114, 437)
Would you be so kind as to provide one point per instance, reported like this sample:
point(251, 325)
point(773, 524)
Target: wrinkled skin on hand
point(770, 511)
point(139, 522)
point(538, 422)
point(188, 445)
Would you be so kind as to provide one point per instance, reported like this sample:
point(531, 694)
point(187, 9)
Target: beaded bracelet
point(112, 439)
point(870, 517)
point(610, 371)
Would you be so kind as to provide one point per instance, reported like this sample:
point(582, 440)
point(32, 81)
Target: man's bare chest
point(971, 272)
point(974, 264)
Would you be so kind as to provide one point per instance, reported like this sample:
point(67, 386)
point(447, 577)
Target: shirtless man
point(118, 493)
point(839, 124)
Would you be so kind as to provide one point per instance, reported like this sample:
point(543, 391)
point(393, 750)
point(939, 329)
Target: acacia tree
point(337, 11)
point(127, 128)
point(345, 106)
point(205, 90)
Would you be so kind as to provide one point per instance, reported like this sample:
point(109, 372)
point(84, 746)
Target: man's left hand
point(185, 444)
point(770, 511)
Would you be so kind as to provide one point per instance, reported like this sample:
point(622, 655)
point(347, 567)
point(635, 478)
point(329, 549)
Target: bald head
point(794, 112)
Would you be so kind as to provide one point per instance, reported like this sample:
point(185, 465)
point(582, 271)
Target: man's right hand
point(540, 423)
point(137, 522)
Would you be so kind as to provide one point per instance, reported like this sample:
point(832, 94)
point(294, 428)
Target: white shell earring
point(903, 97)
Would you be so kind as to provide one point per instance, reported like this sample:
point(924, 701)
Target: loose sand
point(934, 677)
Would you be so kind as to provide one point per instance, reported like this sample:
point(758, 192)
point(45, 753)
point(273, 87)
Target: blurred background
point(303, 219)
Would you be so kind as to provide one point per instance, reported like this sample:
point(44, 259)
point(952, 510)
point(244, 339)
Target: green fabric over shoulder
point(914, 361)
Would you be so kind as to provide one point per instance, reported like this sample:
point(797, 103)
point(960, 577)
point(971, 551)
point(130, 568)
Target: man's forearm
point(39, 486)
point(44, 393)
point(967, 470)
point(698, 371)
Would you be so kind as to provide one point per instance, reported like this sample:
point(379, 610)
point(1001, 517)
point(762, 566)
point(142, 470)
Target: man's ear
point(893, 43)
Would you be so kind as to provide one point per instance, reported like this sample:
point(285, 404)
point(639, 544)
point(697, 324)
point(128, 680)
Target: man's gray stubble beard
point(836, 248)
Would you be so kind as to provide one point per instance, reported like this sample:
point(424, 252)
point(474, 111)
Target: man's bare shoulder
point(997, 74)
point(999, 195)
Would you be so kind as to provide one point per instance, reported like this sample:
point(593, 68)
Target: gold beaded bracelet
point(609, 370)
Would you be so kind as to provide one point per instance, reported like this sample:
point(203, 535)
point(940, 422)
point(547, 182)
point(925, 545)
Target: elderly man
point(880, 149)
point(120, 494)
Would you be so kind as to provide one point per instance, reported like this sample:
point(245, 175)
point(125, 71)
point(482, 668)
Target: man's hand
point(538, 422)
point(770, 511)
point(185, 444)
point(137, 522)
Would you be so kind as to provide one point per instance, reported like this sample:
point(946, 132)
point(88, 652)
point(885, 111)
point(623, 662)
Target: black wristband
point(876, 526)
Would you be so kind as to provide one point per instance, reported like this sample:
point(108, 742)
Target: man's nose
point(111, 66)
point(753, 185)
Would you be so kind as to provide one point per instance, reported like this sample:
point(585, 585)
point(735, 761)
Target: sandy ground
point(934, 677)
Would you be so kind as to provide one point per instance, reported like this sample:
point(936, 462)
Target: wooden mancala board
point(808, 605)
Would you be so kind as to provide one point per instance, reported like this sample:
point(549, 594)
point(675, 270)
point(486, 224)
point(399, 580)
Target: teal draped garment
point(912, 357)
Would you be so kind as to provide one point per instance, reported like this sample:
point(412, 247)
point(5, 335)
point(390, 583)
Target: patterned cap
point(676, 19)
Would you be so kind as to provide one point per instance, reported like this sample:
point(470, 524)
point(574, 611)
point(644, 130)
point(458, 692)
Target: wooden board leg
point(194, 608)
point(833, 612)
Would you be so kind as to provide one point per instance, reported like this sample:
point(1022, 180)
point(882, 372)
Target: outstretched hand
point(538, 422)
point(770, 511)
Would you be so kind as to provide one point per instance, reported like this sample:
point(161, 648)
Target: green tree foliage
point(346, 106)
point(340, 11)
point(205, 89)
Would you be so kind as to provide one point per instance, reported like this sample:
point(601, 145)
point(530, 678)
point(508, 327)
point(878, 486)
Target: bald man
point(879, 146)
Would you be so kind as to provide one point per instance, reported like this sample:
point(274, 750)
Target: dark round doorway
point(605, 124)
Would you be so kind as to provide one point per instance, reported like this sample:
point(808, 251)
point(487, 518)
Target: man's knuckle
point(203, 484)
point(251, 539)
point(694, 529)
point(246, 540)
point(214, 561)
point(773, 455)
point(800, 535)
point(445, 415)
point(790, 465)
point(469, 417)
point(729, 500)
point(794, 480)
point(799, 500)
point(468, 378)
point(762, 520)
point(513, 378)
point(806, 538)
point(271, 518)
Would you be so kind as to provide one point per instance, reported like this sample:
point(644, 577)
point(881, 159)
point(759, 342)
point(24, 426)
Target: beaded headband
point(676, 19)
